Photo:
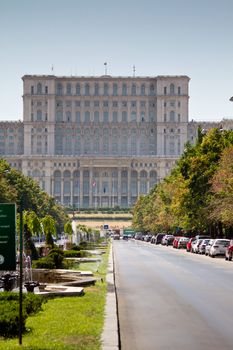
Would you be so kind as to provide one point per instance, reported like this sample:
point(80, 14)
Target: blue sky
point(172, 37)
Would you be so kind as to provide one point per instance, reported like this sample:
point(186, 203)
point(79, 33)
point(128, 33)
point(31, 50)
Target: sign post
point(7, 237)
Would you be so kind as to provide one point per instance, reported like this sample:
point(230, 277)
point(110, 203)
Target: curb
point(110, 335)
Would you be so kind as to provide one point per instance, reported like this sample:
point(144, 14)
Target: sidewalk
point(110, 338)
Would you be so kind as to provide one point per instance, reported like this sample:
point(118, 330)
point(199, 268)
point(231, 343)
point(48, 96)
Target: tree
point(68, 228)
point(49, 230)
point(221, 204)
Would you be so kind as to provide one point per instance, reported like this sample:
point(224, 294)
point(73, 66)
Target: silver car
point(219, 247)
point(208, 246)
point(202, 246)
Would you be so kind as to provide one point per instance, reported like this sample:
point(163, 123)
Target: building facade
point(98, 141)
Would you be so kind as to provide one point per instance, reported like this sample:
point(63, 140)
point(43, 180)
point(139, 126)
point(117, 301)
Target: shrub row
point(75, 254)
point(9, 311)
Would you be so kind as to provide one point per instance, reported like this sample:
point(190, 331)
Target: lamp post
point(21, 270)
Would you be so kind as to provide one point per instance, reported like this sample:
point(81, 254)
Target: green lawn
point(67, 323)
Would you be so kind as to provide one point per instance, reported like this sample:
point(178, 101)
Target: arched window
point(124, 90)
point(96, 89)
point(39, 115)
point(68, 116)
point(67, 182)
point(87, 117)
point(106, 116)
point(68, 89)
point(39, 89)
point(36, 173)
point(152, 89)
point(143, 90)
point(77, 89)
point(76, 182)
point(124, 116)
point(105, 89)
point(134, 183)
point(179, 90)
point(59, 116)
point(96, 117)
point(172, 89)
point(77, 117)
point(133, 116)
point(87, 90)
point(133, 90)
point(153, 178)
point(172, 116)
point(59, 89)
point(115, 90)
point(143, 182)
point(114, 117)
point(57, 183)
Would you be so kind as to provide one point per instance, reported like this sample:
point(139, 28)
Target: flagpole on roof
point(105, 64)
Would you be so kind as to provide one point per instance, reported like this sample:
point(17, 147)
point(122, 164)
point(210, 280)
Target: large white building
point(98, 141)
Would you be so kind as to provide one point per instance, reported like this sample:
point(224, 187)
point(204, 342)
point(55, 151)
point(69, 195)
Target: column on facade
point(129, 187)
point(51, 185)
point(90, 187)
point(81, 189)
point(62, 189)
point(119, 187)
point(72, 190)
point(138, 183)
point(147, 183)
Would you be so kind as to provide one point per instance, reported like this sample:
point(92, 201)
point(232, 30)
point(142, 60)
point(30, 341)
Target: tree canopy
point(197, 195)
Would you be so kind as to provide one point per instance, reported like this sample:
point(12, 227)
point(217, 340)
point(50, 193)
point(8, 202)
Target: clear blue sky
point(171, 37)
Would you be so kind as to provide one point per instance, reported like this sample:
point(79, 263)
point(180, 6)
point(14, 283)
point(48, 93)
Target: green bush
point(9, 311)
point(44, 263)
point(75, 254)
point(57, 257)
point(76, 247)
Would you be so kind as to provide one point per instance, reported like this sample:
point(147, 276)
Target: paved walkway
point(110, 338)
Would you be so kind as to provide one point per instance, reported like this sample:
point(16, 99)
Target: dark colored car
point(159, 237)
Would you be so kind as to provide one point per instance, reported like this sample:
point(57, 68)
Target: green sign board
point(7, 237)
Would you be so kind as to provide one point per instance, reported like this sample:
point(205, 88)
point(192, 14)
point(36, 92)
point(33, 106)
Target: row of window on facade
point(104, 89)
point(105, 103)
point(96, 174)
point(97, 117)
point(96, 146)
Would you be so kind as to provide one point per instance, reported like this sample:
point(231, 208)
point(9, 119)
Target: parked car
point(219, 247)
point(138, 236)
point(175, 242)
point(229, 251)
point(170, 240)
point(195, 245)
point(147, 238)
point(167, 238)
point(159, 237)
point(182, 242)
point(189, 244)
point(202, 246)
point(116, 236)
point(202, 236)
point(208, 246)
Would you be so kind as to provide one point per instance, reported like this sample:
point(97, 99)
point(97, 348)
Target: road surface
point(171, 299)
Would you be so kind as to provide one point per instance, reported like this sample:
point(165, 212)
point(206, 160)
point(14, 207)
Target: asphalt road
point(170, 299)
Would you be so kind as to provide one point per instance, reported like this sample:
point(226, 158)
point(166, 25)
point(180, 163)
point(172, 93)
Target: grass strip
point(68, 323)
